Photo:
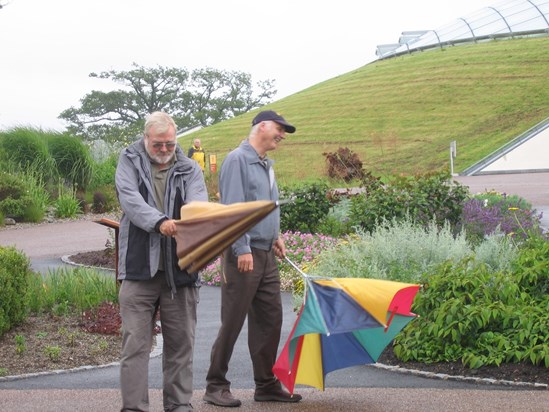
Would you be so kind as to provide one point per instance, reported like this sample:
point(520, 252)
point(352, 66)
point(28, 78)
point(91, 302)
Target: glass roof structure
point(511, 18)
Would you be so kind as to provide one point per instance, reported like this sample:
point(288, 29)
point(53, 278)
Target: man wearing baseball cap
point(251, 282)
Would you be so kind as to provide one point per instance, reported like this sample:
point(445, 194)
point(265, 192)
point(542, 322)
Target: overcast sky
point(49, 47)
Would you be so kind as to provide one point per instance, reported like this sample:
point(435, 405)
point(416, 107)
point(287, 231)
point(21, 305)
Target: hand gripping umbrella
point(343, 322)
point(205, 229)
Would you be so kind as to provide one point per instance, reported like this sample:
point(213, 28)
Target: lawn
point(401, 114)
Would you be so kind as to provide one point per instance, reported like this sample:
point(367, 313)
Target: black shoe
point(223, 397)
point(276, 395)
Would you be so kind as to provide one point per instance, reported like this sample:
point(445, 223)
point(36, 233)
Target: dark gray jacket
point(139, 238)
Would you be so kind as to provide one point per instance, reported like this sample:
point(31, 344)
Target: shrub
point(308, 206)
point(33, 213)
point(470, 313)
point(212, 274)
point(104, 200)
point(396, 250)
point(337, 222)
point(26, 190)
point(66, 204)
point(103, 172)
point(212, 186)
point(14, 198)
point(15, 273)
point(26, 148)
point(38, 195)
point(72, 159)
point(422, 197)
point(344, 164)
point(484, 216)
point(496, 251)
point(403, 250)
point(71, 290)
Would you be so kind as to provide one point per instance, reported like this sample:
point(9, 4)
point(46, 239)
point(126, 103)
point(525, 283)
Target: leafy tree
point(201, 97)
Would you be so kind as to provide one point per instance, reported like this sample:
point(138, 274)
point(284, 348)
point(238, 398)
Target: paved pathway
point(353, 389)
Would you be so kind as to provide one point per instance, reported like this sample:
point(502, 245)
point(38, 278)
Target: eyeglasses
point(169, 145)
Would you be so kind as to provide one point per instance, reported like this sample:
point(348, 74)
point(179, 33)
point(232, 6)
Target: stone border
point(460, 378)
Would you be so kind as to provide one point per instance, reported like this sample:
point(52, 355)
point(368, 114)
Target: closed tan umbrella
point(206, 229)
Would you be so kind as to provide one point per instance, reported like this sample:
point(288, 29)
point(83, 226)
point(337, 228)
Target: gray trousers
point(138, 301)
point(257, 295)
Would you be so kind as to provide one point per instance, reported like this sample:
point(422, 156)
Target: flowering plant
point(301, 248)
point(483, 216)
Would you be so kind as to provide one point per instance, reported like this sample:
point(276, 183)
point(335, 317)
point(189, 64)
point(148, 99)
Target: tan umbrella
point(206, 229)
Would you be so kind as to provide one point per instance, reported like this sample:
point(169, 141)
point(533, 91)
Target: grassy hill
point(401, 114)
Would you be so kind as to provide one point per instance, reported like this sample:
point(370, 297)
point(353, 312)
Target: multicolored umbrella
point(205, 229)
point(343, 322)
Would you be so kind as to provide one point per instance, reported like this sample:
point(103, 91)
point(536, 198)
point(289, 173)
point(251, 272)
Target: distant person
point(153, 180)
point(251, 283)
point(196, 152)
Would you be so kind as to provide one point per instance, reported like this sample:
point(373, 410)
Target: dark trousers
point(257, 295)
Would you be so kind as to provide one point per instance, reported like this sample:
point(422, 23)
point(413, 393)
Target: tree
point(201, 97)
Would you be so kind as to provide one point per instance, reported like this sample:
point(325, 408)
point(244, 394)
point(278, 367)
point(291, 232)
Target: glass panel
point(520, 15)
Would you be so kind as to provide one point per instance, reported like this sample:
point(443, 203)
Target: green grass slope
point(401, 114)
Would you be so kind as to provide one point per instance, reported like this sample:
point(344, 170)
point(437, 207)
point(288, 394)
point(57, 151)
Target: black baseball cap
point(275, 117)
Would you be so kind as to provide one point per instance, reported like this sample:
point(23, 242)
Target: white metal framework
point(511, 18)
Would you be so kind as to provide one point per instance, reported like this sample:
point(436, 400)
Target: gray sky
point(49, 47)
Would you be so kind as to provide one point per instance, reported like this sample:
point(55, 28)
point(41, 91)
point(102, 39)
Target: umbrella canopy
point(343, 322)
point(206, 229)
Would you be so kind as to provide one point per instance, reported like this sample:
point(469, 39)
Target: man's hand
point(279, 248)
point(245, 263)
point(168, 228)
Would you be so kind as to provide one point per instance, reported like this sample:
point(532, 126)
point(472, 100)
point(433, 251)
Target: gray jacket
point(139, 238)
point(244, 177)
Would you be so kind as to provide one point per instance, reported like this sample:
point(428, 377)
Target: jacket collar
point(251, 155)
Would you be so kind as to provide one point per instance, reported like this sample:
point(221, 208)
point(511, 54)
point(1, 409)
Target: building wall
point(531, 155)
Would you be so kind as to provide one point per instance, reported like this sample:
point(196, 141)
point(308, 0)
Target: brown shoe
point(276, 395)
point(223, 397)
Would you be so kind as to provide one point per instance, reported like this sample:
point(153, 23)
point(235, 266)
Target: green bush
point(104, 199)
point(73, 290)
point(22, 196)
point(469, 313)
point(394, 250)
point(337, 223)
point(26, 148)
point(66, 204)
point(308, 206)
point(510, 215)
point(72, 159)
point(423, 198)
point(402, 250)
point(103, 172)
point(15, 273)
point(33, 213)
point(14, 198)
point(505, 201)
